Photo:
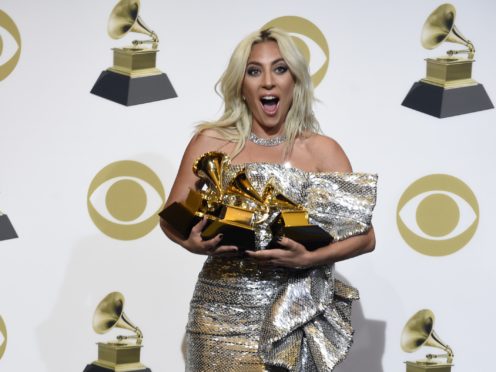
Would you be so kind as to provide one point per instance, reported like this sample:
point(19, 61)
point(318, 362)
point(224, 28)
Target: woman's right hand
point(196, 244)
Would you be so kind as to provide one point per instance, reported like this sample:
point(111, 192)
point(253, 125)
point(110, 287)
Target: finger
point(288, 243)
point(224, 249)
point(200, 225)
point(211, 244)
point(264, 255)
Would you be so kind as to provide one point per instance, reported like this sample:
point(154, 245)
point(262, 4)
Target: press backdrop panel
point(56, 138)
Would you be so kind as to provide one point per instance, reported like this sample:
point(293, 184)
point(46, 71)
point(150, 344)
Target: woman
point(280, 308)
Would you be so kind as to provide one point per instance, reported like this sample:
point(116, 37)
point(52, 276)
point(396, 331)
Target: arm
point(295, 255)
point(184, 181)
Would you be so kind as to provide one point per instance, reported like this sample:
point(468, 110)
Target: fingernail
point(221, 236)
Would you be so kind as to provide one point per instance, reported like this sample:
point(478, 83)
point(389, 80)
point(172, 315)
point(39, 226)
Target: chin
point(270, 122)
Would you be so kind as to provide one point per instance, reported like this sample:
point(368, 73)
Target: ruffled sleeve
point(341, 203)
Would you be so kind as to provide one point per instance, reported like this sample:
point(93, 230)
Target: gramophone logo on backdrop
point(448, 88)
point(10, 45)
point(418, 332)
point(304, 34)
point(437, 215)
point(122, 354)
point(3, 337)
point(133, 79)
point(124, 199)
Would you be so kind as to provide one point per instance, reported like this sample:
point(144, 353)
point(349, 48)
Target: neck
point(267, 132)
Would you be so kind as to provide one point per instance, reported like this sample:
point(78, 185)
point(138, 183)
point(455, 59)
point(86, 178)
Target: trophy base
point(311, 236)
point(117, 357)
point(95, 368)
point(427, 367)
point(180, 217)
point(441, 102)
point(6, 229)
point(131, 91)
point(233, 233)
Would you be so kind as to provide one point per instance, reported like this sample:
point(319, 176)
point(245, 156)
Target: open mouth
point(269, 104)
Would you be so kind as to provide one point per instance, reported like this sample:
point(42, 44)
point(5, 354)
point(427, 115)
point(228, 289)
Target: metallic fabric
point(244, 317)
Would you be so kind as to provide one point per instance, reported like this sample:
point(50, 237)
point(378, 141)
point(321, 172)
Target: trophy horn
point(273, 196)
point(240, 185)
point(419, 331)
point(440, 27)
point(110, 314)
point(125, 18)
point(210, 167)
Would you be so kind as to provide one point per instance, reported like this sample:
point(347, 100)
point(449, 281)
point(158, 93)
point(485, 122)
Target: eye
point(253, 71)
point(124, 199)
point(3, 337)
point(437, 215)
point(10, 45)
point(311, 42)
point(281, 69)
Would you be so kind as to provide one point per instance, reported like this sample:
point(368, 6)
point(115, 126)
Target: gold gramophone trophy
point(418, 332)
point(245, 217)
point(120, 355)
point(448, 88)
point(7, 231)
point(233, 221)
point(133, 79)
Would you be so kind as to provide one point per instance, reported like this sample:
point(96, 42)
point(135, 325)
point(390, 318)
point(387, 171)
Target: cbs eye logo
point(10, 40)
point(124, 199)
point(437, 215)
point(3, 337)
point(310, 40)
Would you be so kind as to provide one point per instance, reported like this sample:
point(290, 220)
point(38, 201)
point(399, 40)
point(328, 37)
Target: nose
point(268, 80)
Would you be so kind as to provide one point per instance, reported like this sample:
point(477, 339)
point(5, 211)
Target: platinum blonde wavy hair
point(235, 124)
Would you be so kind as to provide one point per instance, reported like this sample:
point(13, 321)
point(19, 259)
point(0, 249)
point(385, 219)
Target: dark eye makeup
point(253, 71)
point(256, 71)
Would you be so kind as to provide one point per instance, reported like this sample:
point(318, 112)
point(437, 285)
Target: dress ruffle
point(308, 326)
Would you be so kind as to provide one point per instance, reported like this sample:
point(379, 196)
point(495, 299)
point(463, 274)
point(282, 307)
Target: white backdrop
point(55, 137)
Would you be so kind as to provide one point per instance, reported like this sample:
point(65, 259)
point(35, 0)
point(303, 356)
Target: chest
point(298, 158)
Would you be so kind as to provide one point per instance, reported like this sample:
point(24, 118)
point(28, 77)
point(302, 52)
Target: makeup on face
point(268, 88)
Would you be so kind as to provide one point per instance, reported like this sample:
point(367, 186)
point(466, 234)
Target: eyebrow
point(260, 64)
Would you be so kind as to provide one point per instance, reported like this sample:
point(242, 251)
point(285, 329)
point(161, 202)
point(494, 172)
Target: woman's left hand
point(290, 254)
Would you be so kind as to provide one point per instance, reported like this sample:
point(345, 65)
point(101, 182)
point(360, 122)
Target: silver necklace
point(274, 141)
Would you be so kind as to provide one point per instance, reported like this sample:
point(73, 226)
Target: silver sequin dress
point(245, 318)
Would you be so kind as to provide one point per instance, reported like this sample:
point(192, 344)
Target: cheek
point(247, 89)
point(290, 93)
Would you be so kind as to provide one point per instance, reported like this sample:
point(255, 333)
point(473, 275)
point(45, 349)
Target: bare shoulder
point(329, 155)
point(205, 141)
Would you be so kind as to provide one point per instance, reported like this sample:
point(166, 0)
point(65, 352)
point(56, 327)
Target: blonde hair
point(235, 124)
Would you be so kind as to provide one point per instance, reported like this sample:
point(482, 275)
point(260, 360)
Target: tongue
point(270, 108)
